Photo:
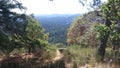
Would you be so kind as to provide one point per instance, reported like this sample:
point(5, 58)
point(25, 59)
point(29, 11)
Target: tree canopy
point(110, 12)
point(18, 30)
point(9, 24)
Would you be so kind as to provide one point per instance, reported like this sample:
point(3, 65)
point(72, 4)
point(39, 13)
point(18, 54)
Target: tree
point(34, 35)
point(19, 30)
point(8, 26)
point(111, 14)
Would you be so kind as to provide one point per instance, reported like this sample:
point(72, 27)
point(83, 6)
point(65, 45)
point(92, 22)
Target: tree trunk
point(115, 53)
point(29, 50)
point(101, 49)
point(103, 42)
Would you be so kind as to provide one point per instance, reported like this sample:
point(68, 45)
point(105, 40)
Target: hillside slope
point(81, 30)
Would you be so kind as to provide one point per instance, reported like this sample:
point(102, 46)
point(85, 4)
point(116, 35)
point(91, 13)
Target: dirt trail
point(58, 55)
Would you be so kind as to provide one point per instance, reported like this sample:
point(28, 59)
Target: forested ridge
point(91, 40)
point(56, 25)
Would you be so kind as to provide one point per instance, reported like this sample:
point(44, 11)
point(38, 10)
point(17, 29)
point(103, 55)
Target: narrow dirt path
point(58, 55)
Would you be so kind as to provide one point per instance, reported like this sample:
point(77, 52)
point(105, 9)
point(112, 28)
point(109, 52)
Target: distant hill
point(56, 25)
point(81, 32)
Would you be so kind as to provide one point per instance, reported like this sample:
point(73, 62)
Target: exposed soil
point(58, 55)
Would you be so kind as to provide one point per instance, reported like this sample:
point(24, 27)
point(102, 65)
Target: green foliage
point(108, 31)
point(7, 44)
point(33, 35)
point(101, 30)
point(9, 24)
point(114, 35)
point(110, 11)
point(82, 32)
point(88, 39)
point(19, 30)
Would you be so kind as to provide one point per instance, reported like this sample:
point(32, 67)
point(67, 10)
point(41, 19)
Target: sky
point(54, 7)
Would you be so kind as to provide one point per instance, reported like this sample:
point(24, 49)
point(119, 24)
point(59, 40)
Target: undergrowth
point(79, 56)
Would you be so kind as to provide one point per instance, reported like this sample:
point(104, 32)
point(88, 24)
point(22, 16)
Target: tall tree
point(8, 26)
point(33, 35)
point(19, 30)
point(111, 13)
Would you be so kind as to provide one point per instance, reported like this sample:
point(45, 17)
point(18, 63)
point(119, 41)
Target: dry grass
point(78, 57)
point(72, 57)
